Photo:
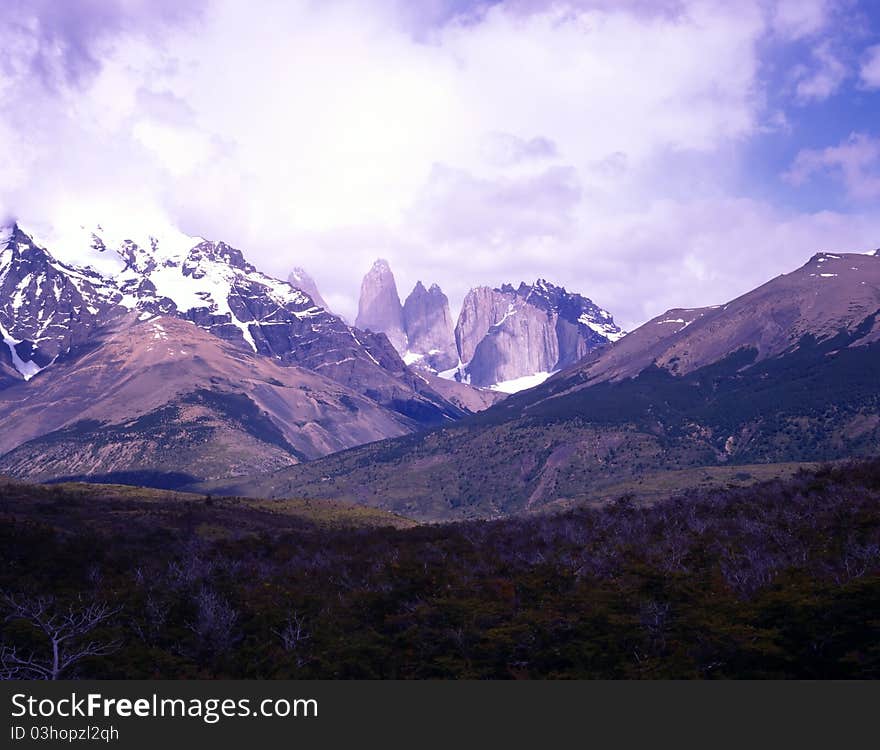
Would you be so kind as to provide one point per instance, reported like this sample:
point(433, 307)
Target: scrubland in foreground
point(780, 579)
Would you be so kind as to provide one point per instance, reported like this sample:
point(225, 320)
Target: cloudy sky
point(646, 153)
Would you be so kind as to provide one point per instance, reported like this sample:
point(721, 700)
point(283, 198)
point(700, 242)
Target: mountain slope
point(162, 396)
point(829, 293)
point(788, 372)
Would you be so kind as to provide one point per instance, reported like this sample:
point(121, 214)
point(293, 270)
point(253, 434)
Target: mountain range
point(171, 361)
point(784, 374)
point(173, 355)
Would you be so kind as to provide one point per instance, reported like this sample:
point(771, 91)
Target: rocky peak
point(519, 333)
point(12, 234)
point(218, 252)
point(379, 307)
point(428, 326)
point(300, 279)
point(47, 307)
point(17, 247)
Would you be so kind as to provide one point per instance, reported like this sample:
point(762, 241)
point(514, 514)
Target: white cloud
point(870, 72)
point(666, 253)
point(179, 151)
point(823, 78)
point(703, 252)
point(855, 162)
point(590, 142)
point(797, 19)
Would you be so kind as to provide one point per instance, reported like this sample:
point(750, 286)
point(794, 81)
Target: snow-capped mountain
point(47, 307)
point(50, 308)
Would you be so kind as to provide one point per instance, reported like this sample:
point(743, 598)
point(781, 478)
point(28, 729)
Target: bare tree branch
point(64, 631)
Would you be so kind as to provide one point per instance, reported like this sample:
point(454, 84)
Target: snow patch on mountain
point(455, 373)
point(106, 246)
point(604, 328)
point(520, 384)
point(26, 369)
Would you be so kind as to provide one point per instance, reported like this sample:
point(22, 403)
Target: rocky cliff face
point(483, 308)
point(428, 326)
point(508, 334)
point(379, 307)
point(300, 279)
point(506, 337)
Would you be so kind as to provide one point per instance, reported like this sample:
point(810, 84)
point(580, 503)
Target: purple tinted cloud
point(641, 7)
point(64, 39)
point(505, 150)
point(855, 162)
point(455, 204)
point(426, 16)
point(603, 150)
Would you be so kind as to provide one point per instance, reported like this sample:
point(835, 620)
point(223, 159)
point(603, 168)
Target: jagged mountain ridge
point(505, 338)
point(49, 308)
point(46, 306)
